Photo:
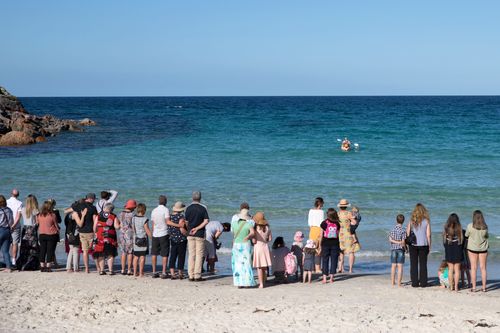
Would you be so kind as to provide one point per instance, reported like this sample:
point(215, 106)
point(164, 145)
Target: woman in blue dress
point(241, 259)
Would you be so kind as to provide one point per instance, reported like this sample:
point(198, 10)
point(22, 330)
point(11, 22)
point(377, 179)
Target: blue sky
point(198, 48)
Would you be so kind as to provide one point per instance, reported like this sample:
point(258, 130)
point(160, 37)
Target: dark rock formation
point(18, 127)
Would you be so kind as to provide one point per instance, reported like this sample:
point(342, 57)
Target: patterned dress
point(346, 239)
point(126, 236)
point(241, 258)
point(106, 236)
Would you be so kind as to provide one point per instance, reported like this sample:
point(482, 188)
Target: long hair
point(452, 229)
point(261, 227)
point(31, 205)
point(478, 221)
point(318, 202)
point(419, 214)
point(332, 215)
point(46, 208)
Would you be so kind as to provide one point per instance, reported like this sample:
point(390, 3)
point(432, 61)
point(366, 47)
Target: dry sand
point(77, 302)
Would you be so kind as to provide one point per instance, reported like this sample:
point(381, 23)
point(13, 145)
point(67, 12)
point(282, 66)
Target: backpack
point(331, 230)
point(290, 264)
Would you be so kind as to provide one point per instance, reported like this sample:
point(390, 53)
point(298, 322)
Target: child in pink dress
point(261, 254)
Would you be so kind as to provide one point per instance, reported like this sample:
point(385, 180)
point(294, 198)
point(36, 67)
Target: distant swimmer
point(346, 145)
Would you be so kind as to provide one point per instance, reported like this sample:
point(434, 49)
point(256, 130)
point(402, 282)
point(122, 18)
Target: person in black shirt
point(197, 218)
point(86, 226)
point(330, 246)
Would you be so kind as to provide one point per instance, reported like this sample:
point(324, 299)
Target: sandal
point(129, 273)
point(102, 273)
point(123, 273)
point(164, 276)
point(156, 275)
point(112, 273)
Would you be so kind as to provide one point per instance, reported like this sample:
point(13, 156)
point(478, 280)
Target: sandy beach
point(76, 302)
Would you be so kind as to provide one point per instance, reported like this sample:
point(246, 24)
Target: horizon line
point(240, 96)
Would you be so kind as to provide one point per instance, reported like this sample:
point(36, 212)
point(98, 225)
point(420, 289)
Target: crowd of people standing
point(93, 229)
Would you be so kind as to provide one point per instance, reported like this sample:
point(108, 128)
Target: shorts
point(16, 235)
point(86, 240)
point(210, 250)
point(397, 256)
point(160, 246)
point(141, 253)
point(475, 252)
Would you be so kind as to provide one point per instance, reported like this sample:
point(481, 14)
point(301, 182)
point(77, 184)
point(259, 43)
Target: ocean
point(277, 153)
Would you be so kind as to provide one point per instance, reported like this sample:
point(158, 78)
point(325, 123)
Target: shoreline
point(77, 302)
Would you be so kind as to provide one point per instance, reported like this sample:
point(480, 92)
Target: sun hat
point(298, 237)
point(343, 203)
point(260, 219)
point(179, 207)
point(244, 214)
point(310, 244)
point(131, 204)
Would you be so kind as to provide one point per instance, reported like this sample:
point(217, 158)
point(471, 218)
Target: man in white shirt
point(15, 205)
point(160, 240)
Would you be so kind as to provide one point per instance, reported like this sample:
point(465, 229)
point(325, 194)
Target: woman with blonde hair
point(477, 247)
point(418, 232)
point(453, 247)
point(28, 255)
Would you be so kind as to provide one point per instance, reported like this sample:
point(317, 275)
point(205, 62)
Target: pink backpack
point(290, 264)
point(331, 230)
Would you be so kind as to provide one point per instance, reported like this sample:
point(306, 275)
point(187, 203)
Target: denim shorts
point(397, 256)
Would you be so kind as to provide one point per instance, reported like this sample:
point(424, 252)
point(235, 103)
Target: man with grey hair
point(15, 206)
point(197, 218)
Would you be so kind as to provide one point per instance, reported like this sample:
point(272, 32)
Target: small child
point(297, 250)
point(278, 254)
point(356, 218)
point(444, 281)
point(397, 239)
point(310, 251)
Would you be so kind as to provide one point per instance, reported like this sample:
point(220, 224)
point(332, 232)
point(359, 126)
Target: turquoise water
point(277, 153)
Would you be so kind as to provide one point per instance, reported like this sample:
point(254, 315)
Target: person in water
point(346, 145)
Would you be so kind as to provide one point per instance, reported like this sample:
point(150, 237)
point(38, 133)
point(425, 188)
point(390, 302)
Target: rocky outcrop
point(18, 127)
point(16, 138)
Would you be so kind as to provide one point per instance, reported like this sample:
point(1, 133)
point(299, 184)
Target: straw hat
point(178, 207)
point(260, 219)
point(343, 203)
point(131, 204)
point(244, 214)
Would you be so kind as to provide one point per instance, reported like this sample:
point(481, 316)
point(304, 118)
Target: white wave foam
point(224, 250)
point(360, 254)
